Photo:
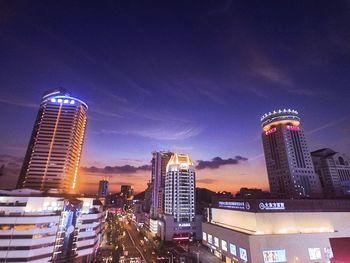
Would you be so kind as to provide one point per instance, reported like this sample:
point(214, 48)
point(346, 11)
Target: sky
point(187, 76)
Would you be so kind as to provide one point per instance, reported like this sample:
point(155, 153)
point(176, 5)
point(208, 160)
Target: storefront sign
point(273, 256)
point(272, 206)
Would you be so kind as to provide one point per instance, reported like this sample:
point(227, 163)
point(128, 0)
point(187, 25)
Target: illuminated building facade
point(278, 230)
point(179, 220)
point(289, 165)
point(39, 228)
point(159, 163)
point(53, 155)
point(333, 169)
point(103, 188)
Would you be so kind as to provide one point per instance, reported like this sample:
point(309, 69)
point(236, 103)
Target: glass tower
point(54, 150)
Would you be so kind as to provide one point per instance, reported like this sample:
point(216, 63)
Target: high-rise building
point(159, 163)
point(35, 227)
point(179, 220)
point(333, 169)
point(54, 150)
point(103, 188)
point(289, 166)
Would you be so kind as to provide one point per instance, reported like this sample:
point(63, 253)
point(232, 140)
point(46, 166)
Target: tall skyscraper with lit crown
point(53, 155)
point(289, 165)
point(180, 221)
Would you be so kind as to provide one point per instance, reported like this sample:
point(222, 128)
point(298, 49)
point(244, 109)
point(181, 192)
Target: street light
point(197, 253)
point(172, 257)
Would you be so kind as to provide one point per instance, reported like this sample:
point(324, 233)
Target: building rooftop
point(325, 152)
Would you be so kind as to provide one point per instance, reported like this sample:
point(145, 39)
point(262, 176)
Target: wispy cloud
point(19, 103)
point(264, 68)
point(161, 133)
point(105, 113)
point(328, 125)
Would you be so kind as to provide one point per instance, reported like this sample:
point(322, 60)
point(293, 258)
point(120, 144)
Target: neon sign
point(270, 131)
point(293, 128)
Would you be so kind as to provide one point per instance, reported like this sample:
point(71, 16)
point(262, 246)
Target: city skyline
point(198, 87)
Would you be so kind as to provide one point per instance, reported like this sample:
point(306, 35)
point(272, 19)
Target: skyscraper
point(54, 150)
point(179, 220)
point(289, 166)
point(333, 169)
point(103, 188)
point(159, 164)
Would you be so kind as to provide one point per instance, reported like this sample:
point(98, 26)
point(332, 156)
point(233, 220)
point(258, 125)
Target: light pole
point(172, 257)
point(197, 253)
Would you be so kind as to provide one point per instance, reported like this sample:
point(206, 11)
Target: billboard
point(210, 239)
point(272, 256)
point(233, 249)
point(315, 253)
point(243, 254)
point(216, 242)
point(224, 245)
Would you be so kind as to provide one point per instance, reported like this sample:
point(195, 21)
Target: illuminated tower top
point(54, 150)
point(288, 161)
point(275, 118)
point(182, 161)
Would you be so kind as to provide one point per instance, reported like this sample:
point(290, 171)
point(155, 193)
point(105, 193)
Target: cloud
point(160, 133)
point(19, 103)
point(206, 181)
point(124, 169)
point(263, 68)
point(329, 124)
point(106, 113)
point(218, 161)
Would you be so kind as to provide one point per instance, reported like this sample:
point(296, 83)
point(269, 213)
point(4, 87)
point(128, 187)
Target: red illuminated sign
point(293, 128)
point(270, 131)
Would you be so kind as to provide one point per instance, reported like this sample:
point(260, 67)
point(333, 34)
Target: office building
point(159, 163)
point(278, 230)
point(54, 150)
point(333, 169)
point(179, 221)
point(103, 188)
point(39, 228)
point(289, 165)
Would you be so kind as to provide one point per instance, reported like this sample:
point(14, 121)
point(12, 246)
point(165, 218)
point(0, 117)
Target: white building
point(268, 231)
point(288, 161)
point(179, 221)
point(333, 169)
point(37, 228)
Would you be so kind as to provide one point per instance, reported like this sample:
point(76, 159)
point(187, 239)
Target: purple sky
point(193, 77)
